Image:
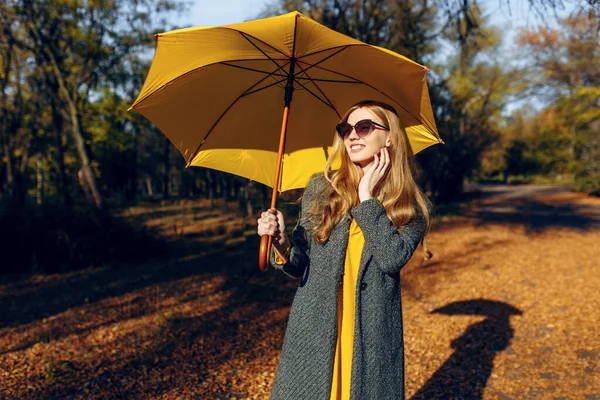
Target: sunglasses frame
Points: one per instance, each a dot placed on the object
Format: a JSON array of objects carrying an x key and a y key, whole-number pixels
[{"x": 372, "y": 126}]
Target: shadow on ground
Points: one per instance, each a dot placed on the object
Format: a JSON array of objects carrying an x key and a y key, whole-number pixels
[
  {"x": 187, "y": 350},
  {"x": 465, "y": 373}
]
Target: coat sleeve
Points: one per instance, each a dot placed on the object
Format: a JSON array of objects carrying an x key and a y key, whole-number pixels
[
  {"x": 391, "y": 247},
  {"x": 300, "y": 241}
]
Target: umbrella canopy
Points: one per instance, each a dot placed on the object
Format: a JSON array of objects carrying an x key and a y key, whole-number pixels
[{"x": 218, "y": 94}]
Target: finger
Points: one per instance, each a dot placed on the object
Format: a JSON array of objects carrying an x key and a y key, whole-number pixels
[
  {"x": 388, "y": 160},
  {"x": 384, "y": 160},
  {"x": 374, "y": 164},
  {"x": 379, "y": 161},
  {"x": 272, "y": 211}
]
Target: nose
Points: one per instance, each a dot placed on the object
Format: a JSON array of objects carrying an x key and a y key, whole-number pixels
[{"x": 353, "y": 135}]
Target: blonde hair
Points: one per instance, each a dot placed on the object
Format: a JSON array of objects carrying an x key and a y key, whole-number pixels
[{"x": 402, "y": 197}]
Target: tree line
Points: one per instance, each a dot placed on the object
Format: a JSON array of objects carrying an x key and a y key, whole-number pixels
[{"x": 70, "y": 69}]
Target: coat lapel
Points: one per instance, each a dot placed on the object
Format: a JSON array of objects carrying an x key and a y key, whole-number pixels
[
  {"x": 336, "y": 247},
  {"x": 365, "y": 258}
]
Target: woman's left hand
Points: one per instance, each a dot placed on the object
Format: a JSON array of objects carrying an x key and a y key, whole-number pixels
[{"x": 377, "y": 170}]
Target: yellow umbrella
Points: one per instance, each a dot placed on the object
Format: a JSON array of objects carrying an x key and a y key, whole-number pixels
[{"x": 218, "y": 93}]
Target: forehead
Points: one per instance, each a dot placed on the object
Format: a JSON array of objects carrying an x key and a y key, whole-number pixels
[{"x": 360, "y": 114}]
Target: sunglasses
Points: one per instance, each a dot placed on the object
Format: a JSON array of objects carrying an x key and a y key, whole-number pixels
[{"x": 362, "y": 128}]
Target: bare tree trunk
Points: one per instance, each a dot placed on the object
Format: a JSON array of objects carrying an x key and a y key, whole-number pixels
[
  {"x": 10, "y": 178},
  {"x": 4, "y": 123},
  {"x": 13, "y": 124},
  {"x": 7, "y": 56},
  {"x": 149, "y": 186},
  {"x": 63, "y": 187},
  {"x": 86, "y": 167},
  {"x": 20, "y": 193},
  {"x": 76, "y": 128}
]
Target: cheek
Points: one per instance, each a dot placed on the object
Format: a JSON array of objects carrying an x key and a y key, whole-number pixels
[{"x": 379, "y": 142}]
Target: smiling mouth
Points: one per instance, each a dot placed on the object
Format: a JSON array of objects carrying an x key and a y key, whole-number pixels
[{"x": 356, "y": 148}]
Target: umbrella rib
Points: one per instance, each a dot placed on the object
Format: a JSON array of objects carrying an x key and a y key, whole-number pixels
[
  {"x": 326, "y": 101},
  {"x": 383, "y": 93},
  {"x": 227, "y": 110},
  {"x": 322, "y": 60},
  {"x": 324, "y": 80},
  {"x": 246, "y": 36},
  {"x": 268, "y": 73},
  {"x": 279, "y": 67},
  {"x": 273, "y": 74},
  {"x": 139, "y": 101},
  {"x": 249, "y": 92},
  {"x": 408, "y": 60},
  {"x": 211, "y": 129}
]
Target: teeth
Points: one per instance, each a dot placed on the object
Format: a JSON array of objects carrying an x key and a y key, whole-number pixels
[{"x": 357, "y": 147}]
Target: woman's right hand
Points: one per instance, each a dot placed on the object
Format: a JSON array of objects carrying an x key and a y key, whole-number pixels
[{"x": 271, "y": 223}]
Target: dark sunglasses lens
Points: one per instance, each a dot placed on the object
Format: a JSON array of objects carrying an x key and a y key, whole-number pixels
[
  {"x": 363, "y": 127},
  {"x": 344, "y": 129}
]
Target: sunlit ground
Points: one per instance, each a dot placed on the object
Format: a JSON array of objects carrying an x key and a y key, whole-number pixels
[{"x": 205, "y": 323}]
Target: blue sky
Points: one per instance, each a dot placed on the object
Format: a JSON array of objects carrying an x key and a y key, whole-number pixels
[{"x": 221, "y": 12}]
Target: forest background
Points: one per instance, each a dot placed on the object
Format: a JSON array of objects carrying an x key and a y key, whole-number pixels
[{"x": 74, "y": 160}]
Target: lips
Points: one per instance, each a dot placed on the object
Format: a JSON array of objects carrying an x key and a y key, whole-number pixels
[{"x": 356, "y": 147}]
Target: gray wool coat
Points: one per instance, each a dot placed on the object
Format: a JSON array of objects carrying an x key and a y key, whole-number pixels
[{"x": 306, "y": 364}]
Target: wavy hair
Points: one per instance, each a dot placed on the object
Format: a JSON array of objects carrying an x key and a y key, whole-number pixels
[{"x": 402, "y": 198}]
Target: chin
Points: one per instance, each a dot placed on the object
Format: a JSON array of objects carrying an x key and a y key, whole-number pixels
[{"x": 361, "y": 162}]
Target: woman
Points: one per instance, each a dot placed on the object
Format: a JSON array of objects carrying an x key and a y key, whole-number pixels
[{"x": 358, "y": 226}]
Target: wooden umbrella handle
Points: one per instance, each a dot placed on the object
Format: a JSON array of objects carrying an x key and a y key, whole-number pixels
[
  {"x": 264, "y": 253},
  {"x": 265, "y": 241}
]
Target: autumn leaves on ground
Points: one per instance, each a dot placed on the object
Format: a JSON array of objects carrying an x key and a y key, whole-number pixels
[{"x": 507, "y": 308}]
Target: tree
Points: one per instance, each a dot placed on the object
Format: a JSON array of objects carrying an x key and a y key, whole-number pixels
[
  {"x": 78, "y": 47},
  {"x": 564, "y": 68}
]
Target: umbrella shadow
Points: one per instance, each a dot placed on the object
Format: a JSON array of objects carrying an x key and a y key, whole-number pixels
[{"x": 465, "y": 374}]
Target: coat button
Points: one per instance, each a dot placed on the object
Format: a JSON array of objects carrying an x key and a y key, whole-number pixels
[{"x": 363, "y": 285}]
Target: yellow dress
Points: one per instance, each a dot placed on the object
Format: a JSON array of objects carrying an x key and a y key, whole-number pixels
[{"x": 342, "y": 364}]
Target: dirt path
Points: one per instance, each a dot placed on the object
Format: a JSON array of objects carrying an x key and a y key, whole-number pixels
[
  {"x": 515, "y": 286},
  {"x": 508, "y": 308}
]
